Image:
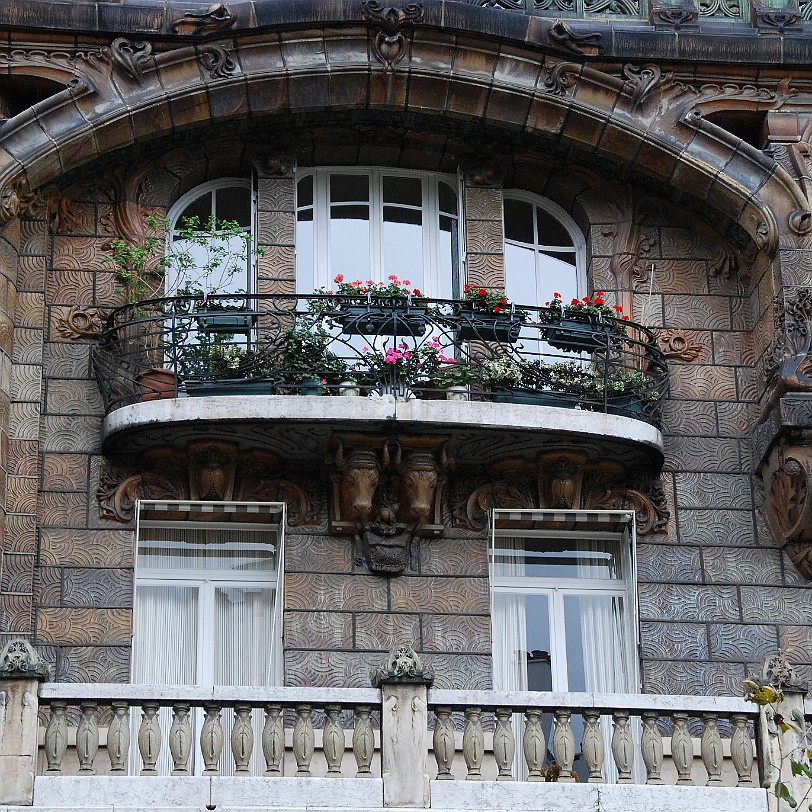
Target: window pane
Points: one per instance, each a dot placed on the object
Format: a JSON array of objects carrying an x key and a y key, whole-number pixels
[
  {"x": 304, "y": 192},
  {"x": 448, "y": 198},
  {"x": 349, "y": 188},
  {"x": 200, "y": 207},
  {"x": 234, "y": 203},
  {"x": 182, "y": 548},
  {"x": 550, "y": 230},
  {"x": 305, "y": 270},
  {"x": 520, "y": 274},
  {"x": 393, "y": 214},
  {"x": 403, "y": 250},
  {"x": 595, "y": 649},
  {"x": 349, "y": 242},
  {"x": 519, "y": 221},
  {"x": 557, "y": 277},
  {"x": 406, "y": 191},
  {"x": 521, "y": 639},
  {"x": 542, "y": 557}
]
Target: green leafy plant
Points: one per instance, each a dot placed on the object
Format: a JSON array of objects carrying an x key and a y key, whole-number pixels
[
  {"x": 588, "y": 308},
  {"x": 138, "y": 268},
  {"x": 456, "y": 373},
  {"x": 358, "y": 292},
  {"x": 305, "y": 354},
  {"x": 492, "y": 301}
]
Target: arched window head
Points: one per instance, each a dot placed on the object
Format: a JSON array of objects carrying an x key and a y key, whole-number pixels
[
  {"x": 202, "y": 227},
  {"x": 377, "y": 223},
  {"x": 544, "y": 251}
]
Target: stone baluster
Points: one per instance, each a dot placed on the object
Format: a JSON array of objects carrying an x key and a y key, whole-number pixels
[
  {"x": 741, "y": 751},
  {"x": 56, "y": 737},
  {"x": 87, "y": 738},
  {"x": 273, "y": 740},
  {"x": 304, "y": 740},
  {"x": 682, "y": 748},
  {"x": 333, "y": 740},
  {"x": 242, "y": 739},
  {"x": 473, "y": 743},
  {"x": 533, "y": 744},
  {"x": 180, "y": 738},
  {"x": 564, "y": 745},
  {"x": 504, "y": 744},
  {"x": 443, "y": 743},
  {"x": 711, "y": 749},
  {"x": 363, "y": 741},
  {"x": 149, "y": 737},
  {"x": 622, "y": 747},
  {"x": 651, "y": 746},
  {"x": 592, "y": 746},
  {"x": 118, "y": 738},
  {"x": 211, "y": 740}
]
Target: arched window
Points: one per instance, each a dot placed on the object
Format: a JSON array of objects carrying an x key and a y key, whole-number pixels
[
  {"x": 374, "y": 223},
  {"x": 544, "y": 251},
  {"x": 228, "y": 199}
]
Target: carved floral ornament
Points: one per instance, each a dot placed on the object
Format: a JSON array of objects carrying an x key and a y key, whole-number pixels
[
  {"x": 787, "y": 477},
  {"x": 678, "y": 346},
  {"x": 789, "y": 357},
  {"x": 389, "y": 45},
  {"x": 209, "y": 470}
]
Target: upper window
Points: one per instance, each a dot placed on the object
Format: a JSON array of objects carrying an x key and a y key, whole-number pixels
[
  {"x": 544, "y": 251},
  {"x": 373, "y": 224},
  {"x": 220, "y": 263}
]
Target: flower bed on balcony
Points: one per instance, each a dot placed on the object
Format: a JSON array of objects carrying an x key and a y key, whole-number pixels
[{"x": 317, "y": 345}]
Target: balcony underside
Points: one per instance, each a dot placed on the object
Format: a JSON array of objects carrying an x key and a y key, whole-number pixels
[{"x": 303, "y": 426}]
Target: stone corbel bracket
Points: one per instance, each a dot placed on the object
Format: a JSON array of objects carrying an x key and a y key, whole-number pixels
[
  {"x": 787, "y": 477},
  {"x": 389, "y": 46}
]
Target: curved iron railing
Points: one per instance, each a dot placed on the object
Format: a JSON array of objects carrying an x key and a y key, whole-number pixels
[{"x": 408, "y": 347}]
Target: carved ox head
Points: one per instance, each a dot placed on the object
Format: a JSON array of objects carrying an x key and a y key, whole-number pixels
[
  {"x": 420, "y": 473},
  {"x": 360, "y": 474}
]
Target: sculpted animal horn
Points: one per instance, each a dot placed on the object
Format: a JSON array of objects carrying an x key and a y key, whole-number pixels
[
  {"x": 340, "y": 461},
  {"x": 398, "y": 453}
]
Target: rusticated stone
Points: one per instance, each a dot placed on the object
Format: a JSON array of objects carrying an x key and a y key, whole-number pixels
[
  {"x": 796, "y": 643},
  {"x": 685, "y": 417},
  {"x": 383, "y": 631},
  {"x": 687, "y": 602},
  {"x": 21, "y": 495},
  {"x": 20, "y": 534},
  {"x": 16, "y": 614},
  {"x": 697, "y": 382},
  {"x": 62, "y": 509},
  {"x": 310, "y": 553},
  {"x": 335, "y": 592},
  {"x": 27, "y": 345},
  {"x": 84, "y": 626},
  {"x": 457, "y": 633},
  {"x": 712, "y": 490},
  {"x": 17, "y": 573},
  {"x": 97, "y": 587},
  {"x": 73, "y": 397},
  {"x": 695, "y": 678},
  {"x": 703, "y": 454},
  {"x": 668, "y": 562},
  {"x": 709, "y": 527},
  {"x": 64, "y": 472},
  {"x": 319, "y": 630},
  {"x": 72, "y": 434},
  {"x": 753, "y": 565},
  {"x": 94, "y": 664},
  {"x": 445, "y": 595},
  {"x": 48, "y": 586},
  {"x": 450, "y": 556},
  {"x": 110, "y": 547},
  {"x": 26, "y": 382},
  {"x": 674, "y": 641},
  {"x": 764, "y": 604},
  {"x": 67, "y": 360},
  {"x": 736, "y": 642},
  {"x": 332, "y": 669}
]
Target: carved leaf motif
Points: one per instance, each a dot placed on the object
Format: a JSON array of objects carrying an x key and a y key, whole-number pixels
[
  {"x": 130, "y": 57},
  {"x": 218, "y": 62},
  {"x": 214, "y": 17},
  {"x": 643, "y": 80},
  {"x": 559, "y": 78},
  {"x": 677, "y": 346},
  {"x": 579, "y": 42},
  {"x": 80, "y": 322}
]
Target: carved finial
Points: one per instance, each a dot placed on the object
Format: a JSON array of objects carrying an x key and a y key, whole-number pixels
[
  {"x": 404, "y": 666},
  {"x": 18, "y": 660}
]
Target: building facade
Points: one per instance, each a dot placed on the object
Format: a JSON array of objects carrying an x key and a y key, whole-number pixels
[{"x": 646, "y": 530}]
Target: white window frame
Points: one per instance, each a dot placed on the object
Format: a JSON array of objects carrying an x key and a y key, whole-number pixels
[
  {"x": 433, "y": 284},
  {"x": 179, "y": 206},
  {"x": 557, "y": 588},
  {"x": 538, "y": 248}
]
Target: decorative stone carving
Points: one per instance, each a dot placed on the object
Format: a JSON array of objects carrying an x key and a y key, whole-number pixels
[
  {"x": 386, "y": 492},
  {"x": 643, "y": 79},
  {"x": 130, "y": 57},
  {"x": 777, "y": 671},
  {"x": 80, "y": 322},
  {"x": 402, "y": 666},
  {"x": 218, "y": 62},
  {"x": 678, "y": 15},
  {"x": 18, "y": 660},
  {"x": 389, "y": 45},
  {"x": 127, "y": 189},
  {"x": 587, "y": 43},
  {"x": 211, "y": 18},
  {"x": 779, "y": 20},
  {"x": 789, "y": 357},
  {"x": 209, "y": 470},
  {"x": 565, "y": 479},
  {"x": 677, "y": 346}
]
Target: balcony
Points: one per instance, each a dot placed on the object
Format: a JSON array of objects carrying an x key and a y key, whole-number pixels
[
  {"x": 348, "y": 748},
  {"x": 347, "y": 359}
]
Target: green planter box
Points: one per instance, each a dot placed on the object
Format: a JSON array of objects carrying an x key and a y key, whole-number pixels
[
  {"x": 242, "y": 386},
  {"x": 501, "y": 327},
  {"x": 575, "y": 335},
  {"x": 534, "y": 397},
  {"x": 369, "y": 319}
]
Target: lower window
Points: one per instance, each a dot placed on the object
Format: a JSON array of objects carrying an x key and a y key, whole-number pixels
[{"x": 208, "y": 598}]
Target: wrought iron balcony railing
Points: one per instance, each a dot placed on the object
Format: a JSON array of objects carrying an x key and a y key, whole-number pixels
[{"x": 406, "y": 347}]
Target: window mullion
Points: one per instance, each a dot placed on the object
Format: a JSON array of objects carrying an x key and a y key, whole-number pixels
[
  {"x": 321, "y": 230},
  {"x": 377, "y": 272},
  {"x": 558, "y": 641}
]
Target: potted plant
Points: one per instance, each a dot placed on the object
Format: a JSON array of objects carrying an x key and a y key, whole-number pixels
[
  {"x": 583, "y": 325},
  {"x": 625, "y": 392},
  {"x": 306, "y": 360},
  {"x": 391, "y": 308},
  {"x": 456, "y": 377},
  {"x": 535, "y": 382},
  {"x": 399, "y": 367},
  {"x": 488, "y": 315}
]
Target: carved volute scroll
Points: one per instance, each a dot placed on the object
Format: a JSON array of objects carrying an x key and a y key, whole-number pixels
[
  {"x": 386, "y": 492},
  {"x": 389, "y": 46},
  {"x": 787, "y": 477}
]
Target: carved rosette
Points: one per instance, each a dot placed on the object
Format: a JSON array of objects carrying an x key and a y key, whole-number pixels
[
  {"x": 677, "y": 346},
  {"x": 787, "y": 477},
  {"x": 208, "y": 470},
  {"x": 386, "y": 492},
  {"x": 565, "y": 480}
]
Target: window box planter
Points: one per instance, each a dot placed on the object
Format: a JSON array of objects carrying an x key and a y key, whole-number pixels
[
  {"x": 536, "y": 397},
  {"x": 576, "y": 335},
  {"x": 394, "y": 319},
  {"x": 226, "y": 386},
  {"x": 477, "y": 326},
  {"x": 627, "y": 406},
  {"x": 214, "y": 319}
]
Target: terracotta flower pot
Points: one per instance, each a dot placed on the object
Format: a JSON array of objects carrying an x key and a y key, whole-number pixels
[{"x": 157, "y": 383}]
